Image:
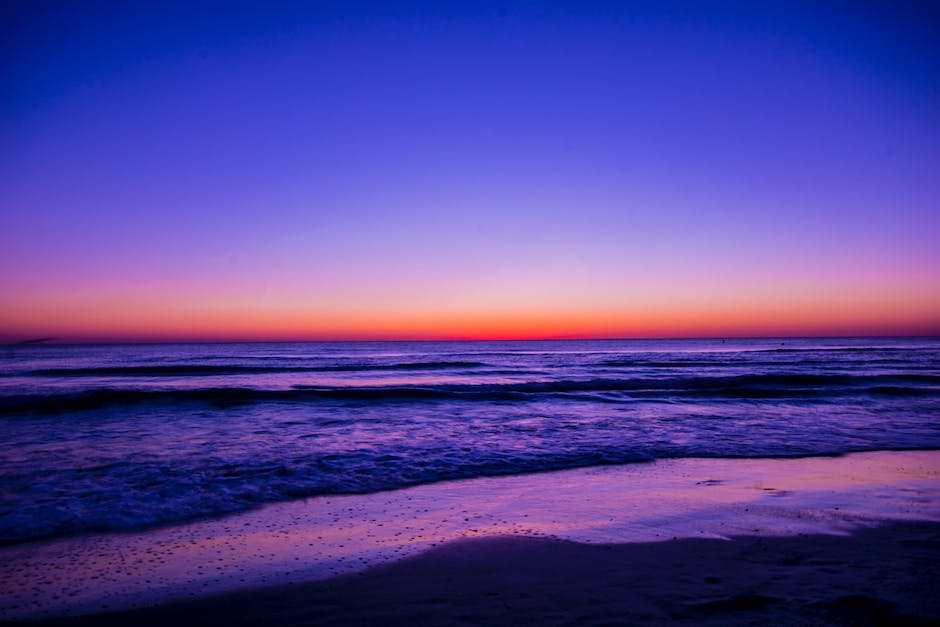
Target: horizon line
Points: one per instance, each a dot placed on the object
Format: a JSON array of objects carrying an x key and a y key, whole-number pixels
[{"x": 103, "y": 342}]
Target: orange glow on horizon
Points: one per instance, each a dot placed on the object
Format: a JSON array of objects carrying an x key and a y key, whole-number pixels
[{"x": 182, "y": 323}]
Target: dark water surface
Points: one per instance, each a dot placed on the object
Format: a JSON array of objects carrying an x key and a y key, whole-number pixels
[{"x": 129, "y": 436}]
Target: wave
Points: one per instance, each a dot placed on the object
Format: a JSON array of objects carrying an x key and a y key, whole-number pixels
[
  {"x": 742, "y": 386},
  {"x": 671, "y": 384},
  {"x": 246, "y": 487},
  {"x": 848, "y": 349},
  {"x": 199, "y": 370},
  {"x": 239, "y": 487},
  {"x": 748, "y": 362}
]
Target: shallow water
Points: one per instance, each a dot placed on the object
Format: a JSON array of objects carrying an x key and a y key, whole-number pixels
[{"x": 99, "y": 438}]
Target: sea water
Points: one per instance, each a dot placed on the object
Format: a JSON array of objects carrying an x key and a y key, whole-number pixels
[{"x": 118, "y": 437}]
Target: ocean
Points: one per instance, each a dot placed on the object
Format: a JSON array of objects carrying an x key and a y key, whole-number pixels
[{"x": 99, "y": 438}]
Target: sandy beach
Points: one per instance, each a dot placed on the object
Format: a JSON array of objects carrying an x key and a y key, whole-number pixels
[
  {"x": 886, "y": 575},
  {"x": 824, "y": 539}
]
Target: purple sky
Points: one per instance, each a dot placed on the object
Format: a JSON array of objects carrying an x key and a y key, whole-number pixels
[{"x": 468, "y": 169}]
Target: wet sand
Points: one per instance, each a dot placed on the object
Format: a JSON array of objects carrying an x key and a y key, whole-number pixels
[
  {"x": 886, "y": 575},
  {"x": 792, "y": 540}
]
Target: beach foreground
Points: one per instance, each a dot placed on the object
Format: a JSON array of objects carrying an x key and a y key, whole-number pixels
[
  {"x": 827, "y": 539},
  {"x": 886, "y": 575}
]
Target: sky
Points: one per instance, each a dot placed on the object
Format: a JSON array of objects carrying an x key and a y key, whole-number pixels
[{"x": 472, "y": 170}]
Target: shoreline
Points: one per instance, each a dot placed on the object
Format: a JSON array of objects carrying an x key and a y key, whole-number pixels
[
  {"x": 330, "y": 539},
  {"x": 208, "y": 518}
]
